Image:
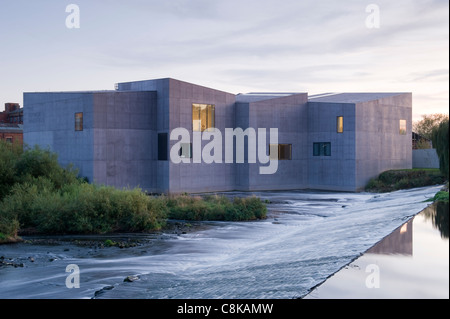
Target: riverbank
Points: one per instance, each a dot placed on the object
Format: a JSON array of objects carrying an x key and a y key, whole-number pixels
[
  {"x": 393, "y": 180},
  {"x": 56, "y": 246},
  {"x": 38, "y": 195}
]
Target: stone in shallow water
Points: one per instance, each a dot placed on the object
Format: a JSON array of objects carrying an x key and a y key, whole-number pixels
[{"x": 131, "y": 278}]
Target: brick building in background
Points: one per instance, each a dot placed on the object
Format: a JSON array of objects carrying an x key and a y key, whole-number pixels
[
  {"x": 13, "y": 114},
  {"x": 11, "y": 123}
]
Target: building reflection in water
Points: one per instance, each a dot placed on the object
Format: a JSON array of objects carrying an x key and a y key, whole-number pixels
[{"x": 400, "y": 241}]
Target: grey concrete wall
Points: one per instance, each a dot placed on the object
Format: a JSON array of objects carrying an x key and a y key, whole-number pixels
[
  {"x": 337, "y": 171},
  {"x": 379, "y": 145},
  {"x": 125, "y": 139},
  {"x": 162, "y": 87},
  {"x": 174, "y": 109},
  {"x": 49, "y": 121},
  {"x": 425, "y": 158},
  {"x": 287, "y": 114},
  {"x": 117, "y": 144},
  {"x": 200, "y": 177}
]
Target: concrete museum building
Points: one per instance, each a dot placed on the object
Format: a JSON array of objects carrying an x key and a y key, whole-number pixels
[{"x": 133, "y": 136}]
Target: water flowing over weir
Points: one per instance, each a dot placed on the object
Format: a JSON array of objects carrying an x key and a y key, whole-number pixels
[{"x": 307, "y": 237}]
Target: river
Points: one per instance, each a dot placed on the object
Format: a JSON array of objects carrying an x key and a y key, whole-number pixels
[{"x": 307, "y": 237}]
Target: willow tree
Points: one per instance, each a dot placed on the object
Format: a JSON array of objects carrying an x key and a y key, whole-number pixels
[{"x": 440, "y": 142}]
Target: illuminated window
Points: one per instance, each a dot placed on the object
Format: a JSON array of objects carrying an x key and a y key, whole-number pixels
[
  {"x": 322, "y": 149},
  {"x": 284, "y": 151},
  {"x": 78, "y": 121},
  {"x": 203, "y": 117},
  {"x": 402, "y": 127},
  {"x": 185, "y": 150},
  {"x": 340, "y": 124}
]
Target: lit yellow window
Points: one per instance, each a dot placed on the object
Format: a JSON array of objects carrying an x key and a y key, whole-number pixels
[
  {"x": 340, "y": 124},
  {"x": 203, "y": 117}
]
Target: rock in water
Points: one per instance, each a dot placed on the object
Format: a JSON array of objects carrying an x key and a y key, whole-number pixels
[{"x": 131, "y": 278}]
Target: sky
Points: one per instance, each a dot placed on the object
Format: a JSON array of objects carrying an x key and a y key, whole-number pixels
[{"x": 313, "y": 46}]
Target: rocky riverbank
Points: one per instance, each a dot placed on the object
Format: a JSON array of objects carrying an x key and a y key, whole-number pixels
[{"x": 93, "y": 243}]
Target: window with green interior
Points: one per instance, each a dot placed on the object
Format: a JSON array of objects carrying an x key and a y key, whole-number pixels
[
  {"x": 185, "y": 150},
  {"x": 322, "y": 149}
]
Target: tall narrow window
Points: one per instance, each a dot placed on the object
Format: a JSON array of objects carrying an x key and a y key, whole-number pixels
[
  {"x": 322, "y": 149},
  {"x": 203, "y": 117},
  {"x": 162, "y": 146},
  {"x": 340, "y": 124},
  {"x": 284, "y": 151},
  {"x": 402, "y": 127},
  {"x": 78, "y": 121}
]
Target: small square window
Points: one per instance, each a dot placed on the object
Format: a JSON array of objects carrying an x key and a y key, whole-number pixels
[
  {"x": 9, "y": 140},
  {"x": 185, "y": 150},
  {"x": 402, "y": 130},
  {"x": 284, "y": 151},
  {"x": 78, "y": 121},
  {"x": 322, "y": 149}
]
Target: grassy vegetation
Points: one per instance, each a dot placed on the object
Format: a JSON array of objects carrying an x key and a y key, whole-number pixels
[
  {"x": 214, "y": 207},
  {"x": 37, "y": 194},
  {"x": 406, "y": 178},
  {"x": 441, "y": 196}
]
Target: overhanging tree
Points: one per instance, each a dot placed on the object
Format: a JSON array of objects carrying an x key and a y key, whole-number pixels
[{"x": 440, "y": 142}]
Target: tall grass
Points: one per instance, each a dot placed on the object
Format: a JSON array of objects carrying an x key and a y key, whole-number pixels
[
  {"x": 215, "y": 207},
  {"x": 403, "y": 179},
  {"x": 37, "y": 193},
  {"x": 82, "y": 208}
]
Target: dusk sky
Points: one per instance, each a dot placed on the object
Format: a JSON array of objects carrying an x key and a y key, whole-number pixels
[{"x": 235, "y": 46}]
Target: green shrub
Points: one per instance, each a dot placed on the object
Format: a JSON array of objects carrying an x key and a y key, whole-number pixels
[
  {"x": 82, "y": 208},
  {"x": 441, "y": 142},
  {"x": 37, "y": 193},
  {"x": 109, "y": 243},
  {"x": 214, "y": 207},
  {"x": 9, "y": 155},
  {"x": 441, "y": 196},
  {"x": 37, "y": 162},
  {"x": 403, "y": 179},
  {"x": 9, "y": 226}
]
